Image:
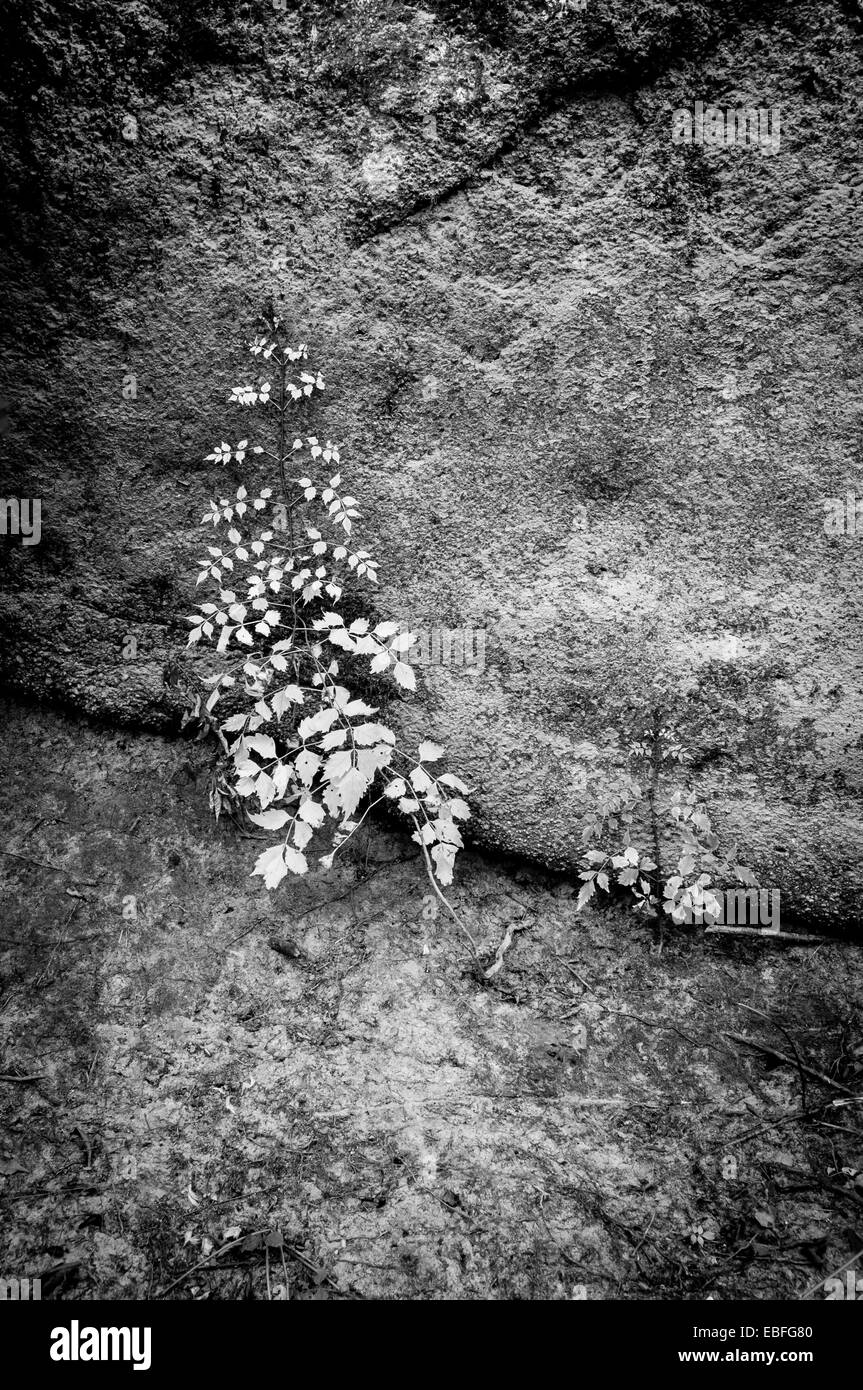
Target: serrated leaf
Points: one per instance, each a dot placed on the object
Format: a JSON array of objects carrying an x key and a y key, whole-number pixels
[
  {"x": 263, "y": 744},
  {"x": 302, "y": 834},
  {"x": 430, "y": 752},
  {"x": 317, "y": 723},
  {"x": 587, "y": 891},
  {"x": 404, "y": 675},
  {"x": 296, "y": 862},
  {"x": 365, "y": 735},
  {"x": 270, "y": 820},
  {"x": 307, "y": 764},
  {"x": 420, "y": 780},
  {"x": 444, "y": 859},
  {"x": 355, "y": 707},
  {"x": 271, "y": 865},
  {"x": 283, "y": 699},
  {"x": 312, "y": 812},
  {"x": 351, "y": 789}
]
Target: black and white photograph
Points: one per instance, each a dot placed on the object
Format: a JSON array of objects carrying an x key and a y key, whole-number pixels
[{"x": 431, "y": 522}]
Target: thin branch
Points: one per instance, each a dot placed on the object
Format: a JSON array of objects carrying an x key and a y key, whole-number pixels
[
  {"x": 813, "y": 1288},
  {"x": 797, "y": 937},
  {"x": 789, "y": 1061},
  {"x": 436, "y": 890},
  {"x": 504, "y": 946},
  {"x": 624, "y": 1013},
  {"x": 793, "y": 1045},
  {"x": 38, "y": 863},
  {"x": 223, "y": 1250},
  {"x": 801, "y": 1114}
]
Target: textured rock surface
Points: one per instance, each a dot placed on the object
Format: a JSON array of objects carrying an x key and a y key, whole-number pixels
[{"x": 592, "y": 387}]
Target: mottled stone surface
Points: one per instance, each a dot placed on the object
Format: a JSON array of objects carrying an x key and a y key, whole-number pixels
[{"x": 592, "y": 387}]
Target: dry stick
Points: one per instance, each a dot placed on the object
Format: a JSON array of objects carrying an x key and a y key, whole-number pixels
[
  {"x": 231, "y": 1245},
  {"x": 504, "y": 946},
  {"x": 790, "y": 1062},
  {"x": 796, "y": 937},
  {"x": 61, "y": 941},
  {"x": 794, "y": 1048},
  {"x": 39, "y": 863},
  {"x": 848, "y": 1192},
  {"x": 9, "y": 1076},
  {"x": 327, "y": 902},
  {"x": 783, "y": 1120},
  {"x": 623, "y": 1013},
  {"x": 580, "y": 1102},
  {"x": 813, "y": 1288},
  {"x": 636, "y": 1249},
  {"x": 88, "y": 1145},
  {"x": 40, "y": 978},
  {"x": 508, "y": 935}
]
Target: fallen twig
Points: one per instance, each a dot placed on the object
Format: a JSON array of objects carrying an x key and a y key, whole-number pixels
[
  {"x": 784, "y": 1120},
  {"x": 232, "y": 1245},
  {"x": 623, "y": 1013},
  {"x": 503, "y": 948},
  {"x": 60, "y": 941},
  {"x": 789, "y": 1061},
  {"x": 223, "y": 1250},
  {"x": 88, "y": 1145},
  {"x": 10, "y": 1076},
  {"x": 813, "y": 1288},
  {"x": 579, "y": 1102},
  {"x": 849, "y": 1192},
  {"x": 38, "y": 863},
  {"x": 793, "y": 1045},
  {"x": 798, "y": 938},
  {"x": 327, "y": 902}
]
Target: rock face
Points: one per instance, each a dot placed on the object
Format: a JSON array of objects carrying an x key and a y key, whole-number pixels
[{"x": 593, "y": 385}]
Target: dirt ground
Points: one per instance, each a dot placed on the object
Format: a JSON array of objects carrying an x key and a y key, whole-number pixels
[{"x": 210, "y": 1117}]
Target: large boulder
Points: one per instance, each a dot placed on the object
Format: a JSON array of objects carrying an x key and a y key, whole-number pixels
[{"x": 593, "y": 385}]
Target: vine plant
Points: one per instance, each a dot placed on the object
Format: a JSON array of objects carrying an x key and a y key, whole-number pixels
[
  {"x": 689, "y": 894},
  {"x": 302, "y": 749}
]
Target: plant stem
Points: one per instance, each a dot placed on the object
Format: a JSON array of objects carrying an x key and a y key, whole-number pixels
[
  {"x": 448, "y": 905},
  {"x": 652, "y": 789},
  {"x": 283, "y": 377}
]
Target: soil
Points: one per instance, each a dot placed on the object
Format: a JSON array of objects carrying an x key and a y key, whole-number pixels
[{"x": 210, "y": 1091}]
